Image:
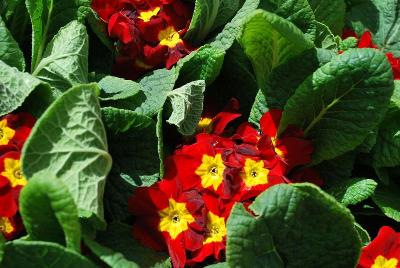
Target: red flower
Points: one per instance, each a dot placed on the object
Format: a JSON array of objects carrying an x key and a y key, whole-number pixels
[
  {"x": 10, "y": 227},
  {"x": 14, "y": 130},
  {"x": 366, "y": 41},
  {"x": 383, "y": 251},
  {"x": 290, "y": 149},
  {"x": 215, "y": 236},
  {"x": 395, "y": 62},
  {"x": 106, "y": 8},
  {"x": 349, "y": 33},
  {"x": 168, "y": 216},
  {"x": 8, "y": 198},
  {"x": 121, "y": 26}
]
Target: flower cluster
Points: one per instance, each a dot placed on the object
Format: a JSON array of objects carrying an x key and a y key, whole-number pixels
[
  {"x": 14, "y": 130},
  {"x": 149, "y": 34},
  {"x": 365, "y": 41},
  {"x": 383, "y": 251},
  {"x": 187, "y": 211}
]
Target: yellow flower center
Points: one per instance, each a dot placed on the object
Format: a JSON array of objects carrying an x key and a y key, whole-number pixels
[
  {"x": 169, "y": 37},
  {"x": 5, "y": 226},
  {"x": 216, "y": 228},
  {"x": 254, "y": 173},
  {"x": 175, "y": 219},
  {"x": 205, "y": 124},
  {"x": 143, "y": 65},
  {"x": 382, "y": 262},
  {"x": 147, "y": 15},
  {"x": 211, "y": 171},
  {"x": 278, "y": 151},
  {"x": 6, "y": 133},
  {"x": 12, "y": 171}
]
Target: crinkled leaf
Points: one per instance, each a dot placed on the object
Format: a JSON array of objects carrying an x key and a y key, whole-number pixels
[
  {"x": 209, "y": 15},
  {"x": 353, "y": 191},
  {"x": 204, "y": 64},
  {"x": 187, "y": 105},
  {"x": 65, "y": 61},
  {"x": 387, "y": 197},
  {"x": 330, "y": 13},
  {"x": 386, "y": 152},
  {"x": 297, "y": 217},
  {"x": 123, "y": 242},
  {"x": 120, "y": 120},
  {"x": 16, "y": 86},
  {"x": 10, "y": 53},
  {"x": 114, "y": 88},
  {"x": 69, "y": 141},
  {"x": 47, "y": 17},
  {"x": 298, "y": 12},
  {"x": 34, "y": 254},
  {"x": 342, "y": 102},
  {"x": 269, "y": 40},
  {"x": 49, "y": 211},
  {"x": 250, "y": 243}
]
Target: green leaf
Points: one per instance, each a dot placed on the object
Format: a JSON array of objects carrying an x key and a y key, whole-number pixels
[
  {"x": 49, "y": 212},
  {"x": 299, "y": 219},
  {"x": 123, "y": 242},
  {"x": 204, "y": 64},
  {"x": 325, "y": 38},
  {"x": 2, "y": 243},
  {"x": 120, "y": 120},
  {"x": 187, "y": 105},
  {"x": 337, "y": 169},
  {"x": 331, "y": 13},
  {"x": 65, "y": 61},
  {"x": 386, "y": 152},
  {"x": 114, "y": 88},
  {"x": 353, "y": 191},
  {"x": 16, "y": 87},
  {"x": 209, "y": 15},
  {"x": 33, "y": 254},
  {"x": 269, "y": 40},
  {"x": 69, "y": 141},
  {"x": 387, "y": 34},
  {"x": 387, "y": 198},
  {"x": 47, "y": 17},
  {"x": 298, "y": 12},
  {"x": 342, "y": 102},
  {"x": 363, "y": 234},
  {"x": 155, "y": 87},
  {"x": 218, "y": 265},
  {"x": 250, "y": 243},
  {"x": 10, "y": 53}
]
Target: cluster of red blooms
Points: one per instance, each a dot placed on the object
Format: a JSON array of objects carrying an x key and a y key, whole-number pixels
[
  {"x": 14, "y": 130},
  {"x": 186, "y": 212},
  {"x": 149, "y": 33},
  {"x": 366, "y": 42},
  {"x": 383, "y": 251}
]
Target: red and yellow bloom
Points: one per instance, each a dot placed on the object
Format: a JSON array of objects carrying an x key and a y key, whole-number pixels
[
  {"x": 14, "y": 130},
  {"x": 383, "y": 251}
]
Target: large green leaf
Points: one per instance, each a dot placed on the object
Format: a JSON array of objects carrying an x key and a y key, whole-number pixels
[
  {"x": 298, "y": 12},
  {"x": 69, "y": 141},
  {"x": 387, "y": 197},
  {"x": 47, "y": 17},
  {"x": 10, "y": 52},
  {"x": 65, "y": 61},
  {"x": 209, "y": 15},
  {"x": 34, "y": 254},
  {"x": 115, "y": 88},
  {"x": 187, "y": 106},
  {"x": 353, "y": 191},
  {"x": 269, "y": 40},
  {"x": 250, "y": 243},
  {"x": 330, "y": 13},
  {"x": 124, "y": 245},
  {"x": 49, "y": 211},
  {"x": 386, "y": 152},
  {"x": 299, "y": 219},
  {"x": 16, "y": 87},
  {"x": 120, "y": 120},
  {"x": 342, "y": 102}
]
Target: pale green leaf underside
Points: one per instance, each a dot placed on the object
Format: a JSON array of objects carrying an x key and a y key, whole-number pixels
[
  {"x": 69, "y": 141},
  {"x": 353, "y": 191},
  {"x": 65, "y": 61},
  {"x": 49, "y": 212},
  {"x": 187, "y": 105},
  {"x": 15, "y": 87}
]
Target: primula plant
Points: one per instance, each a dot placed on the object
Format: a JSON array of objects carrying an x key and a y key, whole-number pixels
[{"x": 200, "y": 133}]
